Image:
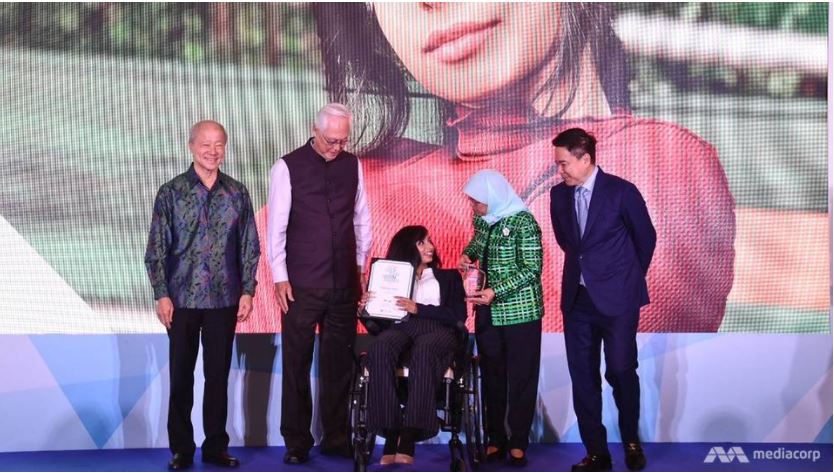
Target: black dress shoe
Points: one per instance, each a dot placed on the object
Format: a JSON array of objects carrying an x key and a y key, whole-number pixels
[
  {"x": 180, "y": 462},
  {"x": 634, "y": 458},
  {"x": 296, "y": 457},
  {"x": 593, "y": 463},
  {"x": 221, "y": 459}
]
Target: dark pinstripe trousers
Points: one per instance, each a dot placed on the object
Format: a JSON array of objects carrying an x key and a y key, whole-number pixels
[{"x": 432, "y": 347}]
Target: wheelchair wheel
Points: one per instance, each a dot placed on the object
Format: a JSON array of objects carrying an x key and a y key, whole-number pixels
[
  {"x": 359, "y": 464},
  {"x": 363, "y": 450},
  {"x": 458, "y": 464},
  {"x": 363, "y": 440},
  {"x": 472, "y": 416}
]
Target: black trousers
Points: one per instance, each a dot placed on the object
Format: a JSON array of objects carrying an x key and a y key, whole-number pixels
[
  {"x": 510, "y": 359},
  {"x": 586, "y": 330},
  {"x": 432, "y": 347},
  {"x": 334, "y": 311},
  {"x": 216, "y": 327}
]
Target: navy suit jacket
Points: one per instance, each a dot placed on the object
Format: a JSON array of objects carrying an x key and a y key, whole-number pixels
[{"x": 615, "y": 252}]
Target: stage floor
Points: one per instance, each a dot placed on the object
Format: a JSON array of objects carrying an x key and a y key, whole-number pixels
[{"x": 543, "y": 457}]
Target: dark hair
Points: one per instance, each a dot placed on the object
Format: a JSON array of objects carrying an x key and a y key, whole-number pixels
[
  {"x": 363, "y": 71},
  {"x": 403, "y": 246},
  {"x": 578, "y": 142}
]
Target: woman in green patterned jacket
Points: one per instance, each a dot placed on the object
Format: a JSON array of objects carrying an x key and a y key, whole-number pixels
[{"x": 508, "y": 312}]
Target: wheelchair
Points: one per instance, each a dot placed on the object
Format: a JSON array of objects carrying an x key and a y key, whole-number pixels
[{"x": 459, "y": 405}]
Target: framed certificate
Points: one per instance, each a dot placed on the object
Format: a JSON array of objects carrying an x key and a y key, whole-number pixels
[{"x": 389, "y": 279}]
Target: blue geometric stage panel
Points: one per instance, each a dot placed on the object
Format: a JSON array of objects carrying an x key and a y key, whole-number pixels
[{"x": 111, "y": 391}]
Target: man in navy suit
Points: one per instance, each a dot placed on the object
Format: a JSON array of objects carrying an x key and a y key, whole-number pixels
[{"x": 603, "y": 226}]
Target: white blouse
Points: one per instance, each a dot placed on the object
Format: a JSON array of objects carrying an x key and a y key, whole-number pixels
[{"x": 427, "y": 289}]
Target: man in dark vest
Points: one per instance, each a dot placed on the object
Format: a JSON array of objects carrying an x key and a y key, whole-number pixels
[{"x": 319, "y": 233}]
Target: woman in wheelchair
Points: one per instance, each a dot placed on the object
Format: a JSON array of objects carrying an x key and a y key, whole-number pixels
[{"x": 429, "y": 332}]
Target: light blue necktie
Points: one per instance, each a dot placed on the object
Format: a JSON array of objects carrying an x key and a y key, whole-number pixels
[{"x": 581, "y": 208}]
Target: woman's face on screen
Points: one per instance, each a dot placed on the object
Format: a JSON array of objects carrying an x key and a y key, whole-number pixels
[{"x": 466, "y": 52}]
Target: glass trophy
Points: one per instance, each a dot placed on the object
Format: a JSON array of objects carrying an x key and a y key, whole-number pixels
[{"x": 474, "y": 280}]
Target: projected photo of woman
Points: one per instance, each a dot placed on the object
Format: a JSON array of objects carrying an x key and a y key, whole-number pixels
[{"x": 441, "y": 91}]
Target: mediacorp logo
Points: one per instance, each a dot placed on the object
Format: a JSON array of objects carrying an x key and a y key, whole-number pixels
[
  {"x": 728, "y": 456},
  {"x": 781, "y": 453}
]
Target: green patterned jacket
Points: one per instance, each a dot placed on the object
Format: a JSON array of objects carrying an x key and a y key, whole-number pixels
[{"x": 514, "y": 268}]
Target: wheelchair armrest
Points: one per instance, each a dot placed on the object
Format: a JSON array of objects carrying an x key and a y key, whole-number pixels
[
  {"x": 462, "y": 334},
  {"x": 374, "y": 327},
  {"x": 466, "y": 344}
]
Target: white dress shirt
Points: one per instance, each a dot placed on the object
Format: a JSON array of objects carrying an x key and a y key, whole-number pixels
[
  {"x": 427, "y": 289},
  {"x": 278, "y": 215}
]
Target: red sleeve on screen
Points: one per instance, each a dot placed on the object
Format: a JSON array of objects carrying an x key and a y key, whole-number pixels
[{"x": 689, "y": 200}]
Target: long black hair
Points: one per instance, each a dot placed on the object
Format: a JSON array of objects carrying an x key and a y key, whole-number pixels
[
  {"x": 403, "y": 246},
  {"x": 362, "y": 69}
]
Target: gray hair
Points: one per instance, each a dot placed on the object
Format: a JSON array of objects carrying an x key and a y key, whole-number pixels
[
  {"x": 192, "y": 133},
  {"x": 333, "y": 109}
]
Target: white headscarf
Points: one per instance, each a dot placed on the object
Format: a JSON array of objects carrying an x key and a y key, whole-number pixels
[{"x": 490, "y": 187}]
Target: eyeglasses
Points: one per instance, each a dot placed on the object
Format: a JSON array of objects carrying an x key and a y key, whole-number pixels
[{"x": 332, "y": 143}]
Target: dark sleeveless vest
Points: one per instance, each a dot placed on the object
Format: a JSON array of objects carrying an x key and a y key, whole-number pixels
[{"x": 321, "y": 244}]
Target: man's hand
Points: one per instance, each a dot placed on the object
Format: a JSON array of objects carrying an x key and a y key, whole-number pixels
[
  {"x": 484, "y": 297},
  {"x": 464, "y": 263},
  {"x": 360, "y": 271},
  {"x": 165, "y": 311},
  {"x": 363, "y": 301},
  {"x": 244, "y": 307},
  {"x": 283, "y": 294}
]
